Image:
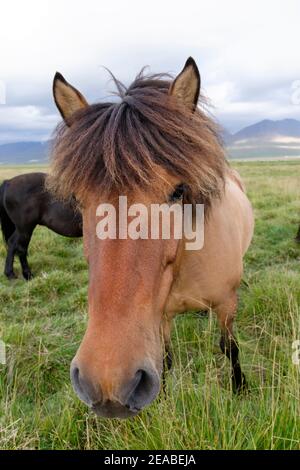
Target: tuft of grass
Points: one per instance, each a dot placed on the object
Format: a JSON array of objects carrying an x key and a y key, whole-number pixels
[{"x": 42, "y": 323}]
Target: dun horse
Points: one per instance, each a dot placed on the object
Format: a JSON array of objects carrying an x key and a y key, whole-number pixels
[
  {"x": 154, "y": 146},
  {"x": 24, "y": 203}
]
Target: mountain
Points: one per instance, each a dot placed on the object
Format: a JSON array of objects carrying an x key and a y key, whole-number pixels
[
  {"x": 268, "y": 128},
  {"x": 24, "y": 152},
  {"x": 264, "y": 139}
]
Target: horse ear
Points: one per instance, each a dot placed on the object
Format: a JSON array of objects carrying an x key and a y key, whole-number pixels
[
  {"x": 67, "y": 99},
  {"x": 186, "y": 86}
]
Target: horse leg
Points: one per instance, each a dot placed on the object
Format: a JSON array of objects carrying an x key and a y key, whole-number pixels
[
  {"x": 228, "y": 343},
  {"x": 22, "y": 249},
  {"x": 166, "y": 332},
  {"x": 168, "y": 358},
  {"x": 297, "y": 238},
  {"x": 167, "y": 361},
  {"x": 9, "y": 262}
]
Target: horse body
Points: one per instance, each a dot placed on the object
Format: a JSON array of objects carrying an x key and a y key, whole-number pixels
[
  {"x": 25, "y": 204},
  {"x": 216, "y": 270},
  {"x": 155, "y": 146},
  {"x": 209, "y": 278}
]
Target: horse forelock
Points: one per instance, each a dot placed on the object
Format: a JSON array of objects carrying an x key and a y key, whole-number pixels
[{"x": 117, "y": 146}]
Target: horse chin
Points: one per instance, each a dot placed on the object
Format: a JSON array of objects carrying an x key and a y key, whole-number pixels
[{"x": 113, "y": 410}]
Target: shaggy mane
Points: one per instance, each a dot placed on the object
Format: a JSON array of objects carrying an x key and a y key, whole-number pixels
[{"x": 118, "y": 146}]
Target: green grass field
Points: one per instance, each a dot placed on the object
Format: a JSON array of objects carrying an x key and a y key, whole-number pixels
[{"x": 43, "y": 321}]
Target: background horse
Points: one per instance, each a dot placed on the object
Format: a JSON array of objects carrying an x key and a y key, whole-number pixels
[
  {"x": 154, "y": 146},
  {"x": 24, "y": 204}
]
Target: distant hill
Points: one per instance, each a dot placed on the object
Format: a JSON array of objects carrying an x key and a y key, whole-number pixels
[
  {"x": 263, "y": 139},
  {"x": 268, "y": 129},
  {"x": 24, "y": 152},
  {"x": 266, "y": 139}
]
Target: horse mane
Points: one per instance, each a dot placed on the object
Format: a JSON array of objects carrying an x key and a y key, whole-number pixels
[{"x": 117, "y": 146}]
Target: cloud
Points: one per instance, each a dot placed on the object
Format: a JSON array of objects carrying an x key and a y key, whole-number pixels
[
  {"x": 246, "y": 52},
  {"x": 26, "y": 123}
]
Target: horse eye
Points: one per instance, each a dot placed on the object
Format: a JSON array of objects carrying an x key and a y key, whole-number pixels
[{"x": 178, "y": 193}]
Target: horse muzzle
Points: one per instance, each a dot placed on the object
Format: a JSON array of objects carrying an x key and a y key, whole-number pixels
[{"x": 126, "y": 401}]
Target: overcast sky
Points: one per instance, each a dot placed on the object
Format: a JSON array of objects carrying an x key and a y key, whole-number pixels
[{"x": 248, "y": 53}]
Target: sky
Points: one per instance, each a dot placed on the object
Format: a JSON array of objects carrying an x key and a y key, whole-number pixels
[{"x": 247, "y": 53}]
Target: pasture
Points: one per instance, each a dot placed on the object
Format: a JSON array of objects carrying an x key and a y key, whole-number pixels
[{"x": 42, "y": 323}]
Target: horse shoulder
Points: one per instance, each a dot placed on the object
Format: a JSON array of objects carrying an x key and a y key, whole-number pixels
[{"x": 207, "y": 276}]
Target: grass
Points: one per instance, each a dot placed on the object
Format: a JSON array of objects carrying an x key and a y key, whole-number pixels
[{"x": 43, "y": 321}]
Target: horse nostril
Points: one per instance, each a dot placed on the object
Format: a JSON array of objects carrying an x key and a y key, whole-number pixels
[
  {"x": 144, "y": 389},
  {"x": 83, "y": 388}
]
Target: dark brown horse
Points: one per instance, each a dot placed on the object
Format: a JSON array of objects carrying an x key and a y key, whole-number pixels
[
  {"x": 24, "y": 204},
  {"x": 154, "y": 146}
]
